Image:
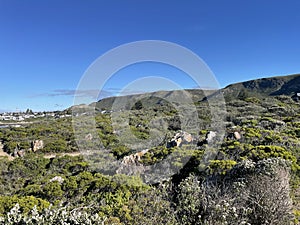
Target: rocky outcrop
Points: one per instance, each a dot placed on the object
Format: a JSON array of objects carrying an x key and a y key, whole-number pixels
[
  {"x": 131, "y": 165},
  {"x": 37, "y": 145},
  {"x": 134, "y": 158},
  {"x": 179, "y": 139}
]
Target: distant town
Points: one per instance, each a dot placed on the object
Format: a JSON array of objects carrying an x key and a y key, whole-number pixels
[{"x": 29, "y": 114}]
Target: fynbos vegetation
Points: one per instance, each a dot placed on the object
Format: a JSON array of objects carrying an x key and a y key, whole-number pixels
[{"x": 252, "y": 178}]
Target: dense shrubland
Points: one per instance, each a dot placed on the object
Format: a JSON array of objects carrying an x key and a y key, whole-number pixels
[{"x": 251, "y": 180}]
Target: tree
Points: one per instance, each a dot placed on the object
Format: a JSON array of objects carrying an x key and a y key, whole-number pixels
[
  {"x": 138, "y": 105},
  {"x": 29, "y": 111}
]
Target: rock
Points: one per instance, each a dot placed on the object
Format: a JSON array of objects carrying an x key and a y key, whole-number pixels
[
  {"x": 37, "y": 145},
  {"x": 210, "y": 136},
  {"x": 131, "y": 165},
  {"x": 234, "y": 136},
  {"x": 59, "y": 179},
  {"x": 21, "y": 153},
  {"x": 134, "y": 158},
  {"x": 127, "y": 160},
  {"x": 16, "y": 150},
  {"x": 237, "y": 135},
  {"x": 88, "y": 137},
  {"x": 179, "y": 139},
  {"x": 140, "y": 154}
]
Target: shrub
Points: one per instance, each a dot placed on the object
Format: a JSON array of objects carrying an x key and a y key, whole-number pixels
[
  {"x": 25, "y": 203},
  {"x": 220, "y": 166},
  {"x": 59, "y": 216}
]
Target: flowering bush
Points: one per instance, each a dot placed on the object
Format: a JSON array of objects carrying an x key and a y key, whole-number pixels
[{"x": 61, "y": 216}]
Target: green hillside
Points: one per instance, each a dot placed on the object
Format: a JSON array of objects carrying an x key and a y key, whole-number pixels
[
  {"x": 273, "y": 86},
  {"x": 247, "y": 175}
]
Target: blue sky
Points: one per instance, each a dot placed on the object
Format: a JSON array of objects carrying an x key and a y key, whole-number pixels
[{"x": 46, "y": 46}]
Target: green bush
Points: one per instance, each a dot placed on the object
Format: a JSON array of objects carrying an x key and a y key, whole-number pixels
[
  {"x": 26, "y": 203},
  {"x": 220, "y": 166}
]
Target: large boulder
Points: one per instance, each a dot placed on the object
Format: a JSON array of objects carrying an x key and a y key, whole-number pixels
[{"x": 37, "y": 145}]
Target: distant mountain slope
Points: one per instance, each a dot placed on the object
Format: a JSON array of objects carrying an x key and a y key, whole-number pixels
[
  {"x": 281, "y": 85},
  {"x": 261, "y": 88},
  {"x": 154, "y": 98},
  {"x": 290, "y": 87}
]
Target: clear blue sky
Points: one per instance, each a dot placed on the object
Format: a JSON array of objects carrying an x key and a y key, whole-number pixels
[{"x": 45, "y": 46}]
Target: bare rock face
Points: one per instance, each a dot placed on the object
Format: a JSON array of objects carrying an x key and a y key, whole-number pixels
[
  {"x": 37, "y": 145},
  {"x": 179, "y": 139}
]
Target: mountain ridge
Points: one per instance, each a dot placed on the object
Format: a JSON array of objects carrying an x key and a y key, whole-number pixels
[
  {"x": 271, "y": 86},
  {"x": 261, "y": 88}
]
